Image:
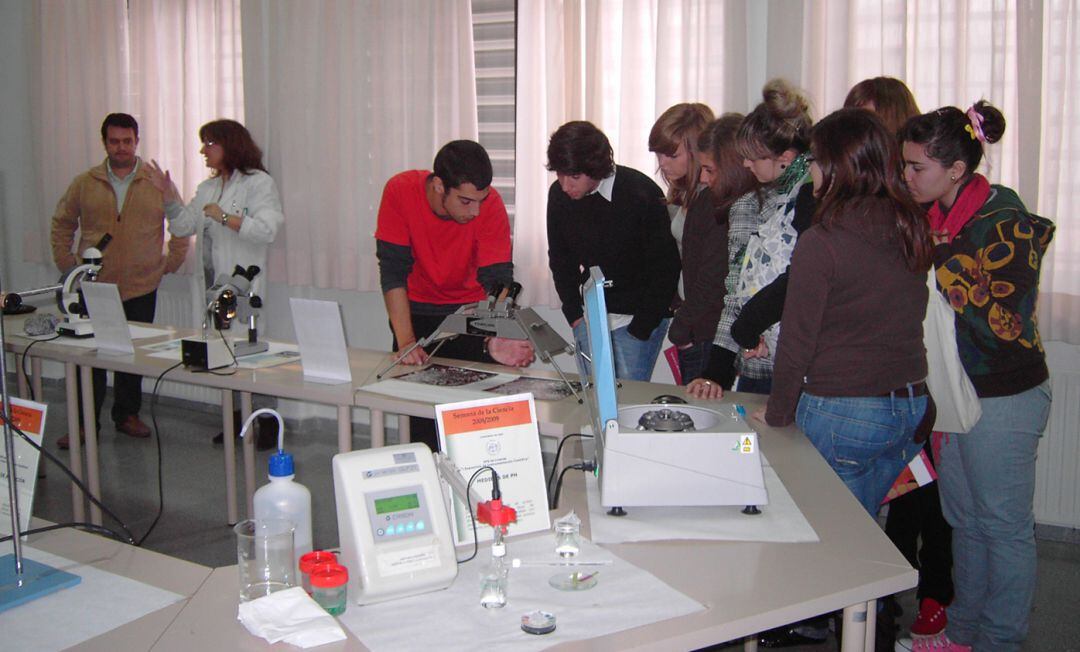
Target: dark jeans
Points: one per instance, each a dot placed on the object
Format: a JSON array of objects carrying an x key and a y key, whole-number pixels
[
  {"x": 462, "y": 347},
  {"x": 917, "y": 515},
  {"x": 754, "y": 385},
  {"x": 693, "y": 361},
  {"x": 127, "y": 388}
]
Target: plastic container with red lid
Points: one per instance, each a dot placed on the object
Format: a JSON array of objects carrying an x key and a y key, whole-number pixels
[{"x": 330, "y": 588}]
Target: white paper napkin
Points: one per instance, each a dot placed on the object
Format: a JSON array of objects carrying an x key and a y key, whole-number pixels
[{"x": 291, "y": 616}]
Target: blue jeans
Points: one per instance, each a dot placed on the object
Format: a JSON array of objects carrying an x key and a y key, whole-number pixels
[
  {"x": 866, "y": 440},
  {"x": 987, "y": 481},
  {"x": 634, "y": 358},
  {"x": 693, "y": 360}
]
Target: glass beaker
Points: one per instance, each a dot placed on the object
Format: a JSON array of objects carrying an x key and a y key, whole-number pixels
[{"x": 264, "y": 555}]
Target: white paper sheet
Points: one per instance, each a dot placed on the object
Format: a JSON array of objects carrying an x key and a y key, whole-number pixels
[
  {"x": 322, "y": 340},
  {"x": 624, "y": 597},
  {"x": 780, "y": 521},
  {"x": 107, "y": 316},
  {"x": 447, "y": 384},
  {"x": 279, "y": 353},
  {"x": 101, "y": 602},
  {"x": 137, "y": 333},
  {"x": 426, "y": 393}
]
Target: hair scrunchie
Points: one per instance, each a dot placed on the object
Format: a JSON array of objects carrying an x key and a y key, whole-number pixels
[{"x": 975, "y": 129}]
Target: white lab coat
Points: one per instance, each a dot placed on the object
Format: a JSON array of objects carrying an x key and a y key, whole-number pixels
[{"x": 255, "y": 196}]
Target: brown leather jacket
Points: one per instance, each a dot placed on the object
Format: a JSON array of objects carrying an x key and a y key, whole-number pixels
[{"x": 134, "y": 259}]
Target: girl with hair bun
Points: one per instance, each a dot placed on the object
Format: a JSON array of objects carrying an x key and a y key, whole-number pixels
[
  {"x": 691, "y": 210},
  {"x": 987, "y": 256},
  {"x": 773, "y": 141}
]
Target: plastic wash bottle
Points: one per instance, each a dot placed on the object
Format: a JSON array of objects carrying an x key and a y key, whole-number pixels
[{"x": 285, "y": 498}]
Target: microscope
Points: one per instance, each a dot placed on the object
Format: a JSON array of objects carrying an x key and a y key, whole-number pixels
[
  {"x": 69, "y": 297},
  {"x": 229, "y": 299}
]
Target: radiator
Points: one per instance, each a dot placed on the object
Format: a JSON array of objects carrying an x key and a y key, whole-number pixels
[{"x": 1057, "y": 479}]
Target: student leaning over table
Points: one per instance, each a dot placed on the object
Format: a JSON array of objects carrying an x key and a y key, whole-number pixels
[
  {"x": 443, "y": 241},
  {"x": 118, "y": 198},
  {"x": 773, "y": 141},
  {"x": 735, "y": 203},
  {"x": 988, "y": 255},
  {"x": 701, "y": 238},
  {"x": 613, "y": 217},
  {"x": 236, "y": 213}
]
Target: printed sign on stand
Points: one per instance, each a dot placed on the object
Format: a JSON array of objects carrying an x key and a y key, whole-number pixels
[
  {"x": 501, "y": 433},
  {"x": 29, "y": 417}
]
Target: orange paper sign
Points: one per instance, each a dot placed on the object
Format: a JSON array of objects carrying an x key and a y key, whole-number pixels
[
  {"x": 26, "y": 419},
  {"x": 486, "y": 417}
]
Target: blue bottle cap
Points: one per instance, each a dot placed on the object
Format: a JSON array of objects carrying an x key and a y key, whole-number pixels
[{"x": 281, "y": 464}]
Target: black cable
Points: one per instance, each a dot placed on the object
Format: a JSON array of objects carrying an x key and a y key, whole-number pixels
[
  {"x": 22, "y": 364},
  {"x": 558, "y": 485},
  {"x": 160, "y": 457},
  {"x": 558, "y": 454},
  {"x": 468, "y": 506},
  {"x": 59, "y": 526},
  {"x": 78, "y": 483}
]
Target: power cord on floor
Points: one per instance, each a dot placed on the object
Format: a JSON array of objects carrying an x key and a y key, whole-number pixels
[
  {"x": 126, "y": 537},
  {"x": 160, "y": 456}
]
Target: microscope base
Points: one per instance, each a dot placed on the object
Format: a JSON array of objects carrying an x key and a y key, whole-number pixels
[
  {"x": 80, "y": 328},
  {"x": 243, "y": 347}
]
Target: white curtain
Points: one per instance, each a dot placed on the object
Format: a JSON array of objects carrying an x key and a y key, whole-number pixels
[
  {"x": 1059, "y": 169},
  {"x": 618, "y": 65},
  {"x": 954, "y": 52},
  {"x": 81, "y": 50},
  {"x": 342, "y": 95},
  {"x": 173, "y": 64},
  {"x": 186, "y": 67}
]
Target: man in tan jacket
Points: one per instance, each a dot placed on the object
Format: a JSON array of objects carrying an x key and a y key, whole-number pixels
[{"x": 118, "y": 198}]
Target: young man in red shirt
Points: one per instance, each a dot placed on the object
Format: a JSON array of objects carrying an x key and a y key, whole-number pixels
[{"x": 443, "y": 240}]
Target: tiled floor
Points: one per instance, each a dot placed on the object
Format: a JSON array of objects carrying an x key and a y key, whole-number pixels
[{"x": 193, "y": 524}]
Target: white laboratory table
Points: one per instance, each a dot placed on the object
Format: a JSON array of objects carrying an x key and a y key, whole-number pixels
[
  {"x": 168, "y": 573},
  {"x": 283, "y": 381},
  {"x": 745, "y": 587}
]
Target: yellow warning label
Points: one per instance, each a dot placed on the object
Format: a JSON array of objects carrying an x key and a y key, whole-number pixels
[{"x": 746, "y": 444}]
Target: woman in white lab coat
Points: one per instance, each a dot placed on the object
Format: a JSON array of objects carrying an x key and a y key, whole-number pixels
[{"x": 236, "y": 213}]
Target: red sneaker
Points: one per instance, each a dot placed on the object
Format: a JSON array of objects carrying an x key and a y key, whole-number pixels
[{"x": 931, "y": 619}]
